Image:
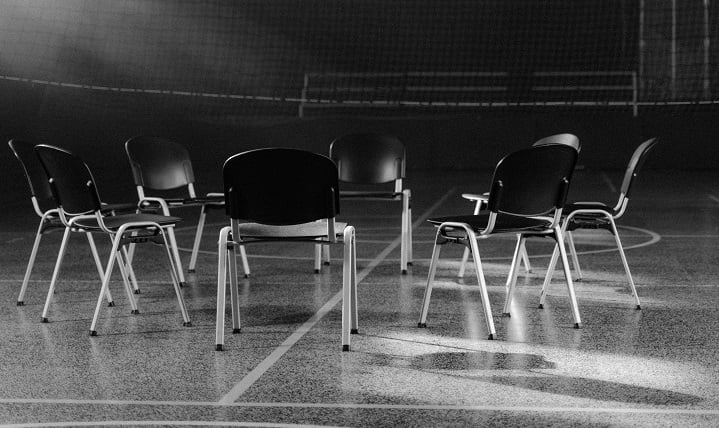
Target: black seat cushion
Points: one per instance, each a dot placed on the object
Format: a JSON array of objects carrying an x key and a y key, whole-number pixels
[
  {"x": 504, "y": 222},
  {"x": 114, "y": 222}
]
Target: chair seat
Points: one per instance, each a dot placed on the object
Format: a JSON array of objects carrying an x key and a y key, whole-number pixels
[
  {"x": 349, "y": 194},
  {"x": 200, "y": 200},
  {"x": 114, "y": 222},
  {"x": 576, "y": 206},
  {"x": 504, "y": 223},
  {"x": 310, "y": 230}
]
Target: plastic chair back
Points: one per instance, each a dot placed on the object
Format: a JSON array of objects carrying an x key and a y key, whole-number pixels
[
  {"x": 566, "y": 139},
  {"x": 635, "y": 163},
  {"x": 158, "y": 163},
  {"x": 368, "y": 158},
  {"x": 71, "y": 181},
  {"x": 34, "y": 174},
  {"x": 533, "y": 181},
  {"x": 280, "y": 186}
]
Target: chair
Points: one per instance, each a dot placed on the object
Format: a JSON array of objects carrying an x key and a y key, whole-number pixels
[
  {"x": 597, "y": 215},
  {"x": 164, "y": 179},
  {"x": 528, "y": 191},
  {"x": 298, "y": 205},
  {"x": 374, "y": 162},
  {"x": 80, "y": 209},
  {"x": 45, "y": 207},
  {"x": 480, "y": 199}
]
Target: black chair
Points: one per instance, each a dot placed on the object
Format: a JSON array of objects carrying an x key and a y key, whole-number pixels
[
  {"x": 597, "y": 215},
  {"x": 375, "y": 165},
  {"x": 164, "y": 179},
  {"x": 80, "y": 209},
  {"x": 45, "y": 207},
  {"x": 297, "y": 205},
  {"x": 527, "y": 193},
  {"x": 480, "y": 199}
]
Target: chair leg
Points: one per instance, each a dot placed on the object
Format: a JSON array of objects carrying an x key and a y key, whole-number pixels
[
  {"x": 624, "y": 262},
  {"x": 353, "y": 282},
  {"x": 573, "y": 251},
  {"x": 410, "y": 252},
  {"x": 30, "y": 264},
  {"x": 222, "y": 256},
  {"x": 176, "y": 255},
  {"x": 422, "y": 323},
  {"x": 465, "y": 254},
  {"x": 326, "y": 256},
  {"x": 98, "y": 265},
  {"x": 245, "y": 264},
  {"x": 122, "y": 266},
  {"x": 174, "y": 273},
  {"x": 105, "y": 281},
  {"x": 234, "y": 291},
  {"x": 130, "y": 271},
  {"x": 525, "y": 258},
  {"x": 482, "y": 283},
  {"x": 463, "y": 263},
  {"x": 198, "y": 238},
  {"x": 129, "y": 255},
  {"x": 318, "y": 258},
  {"x": 568, "y": 277},
  {"x": 56, "y": 271},
  {"x": 512, "y": 277},
  {"x": 548, "y": 277},
  {"x": 406, "y": 240},
  {"x": 349, "y": 306}
]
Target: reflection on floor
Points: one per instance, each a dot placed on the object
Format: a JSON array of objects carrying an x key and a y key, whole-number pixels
[{"x": 657, "y": 366}]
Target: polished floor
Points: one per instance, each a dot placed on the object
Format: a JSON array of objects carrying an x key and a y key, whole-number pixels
[{"x": 624, "y": 367}]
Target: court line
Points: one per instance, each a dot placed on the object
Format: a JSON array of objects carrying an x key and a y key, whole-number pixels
[
  {"x": 374, "y": 406},
  {"x": 285, "y": 346},
  {"x": 108, "y": 423}
]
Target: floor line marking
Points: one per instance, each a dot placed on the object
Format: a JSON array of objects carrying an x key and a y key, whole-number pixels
[
  {"x": 285, "y": 346},
  {"x": 375, "y": 406}
]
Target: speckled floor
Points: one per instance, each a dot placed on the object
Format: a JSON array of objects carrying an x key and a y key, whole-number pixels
[{"x": 654, "y": 367}]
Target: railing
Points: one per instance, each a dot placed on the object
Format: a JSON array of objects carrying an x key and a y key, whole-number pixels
[{"x": 467, "y": 90}]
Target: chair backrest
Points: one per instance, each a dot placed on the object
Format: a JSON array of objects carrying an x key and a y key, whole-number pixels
[
  {"x": 35, "y": 175},
  {"x": 567, "y": 139},
  {"x": 533, "y": 181},
  {"x": 635, "y": 163},
  {"x": 158, "y": 163},
  {"x": 72, "y": 184},
  {"x": 280, "y": 186},
  {"x": 368, "y": 158}
]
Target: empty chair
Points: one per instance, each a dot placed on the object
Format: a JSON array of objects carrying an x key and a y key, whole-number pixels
[
  {"x": 80, "y": 209},
  {"x": 597, "y": 215},
  {"x": 377, "y": 164},
  {"x": 480, "y": 199},
  {"x": 298, "y": 205},
  {"x": 528, "y": 190},
  {"x": 164, "y": 178},
  {"x": 45, "y": 207}
]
